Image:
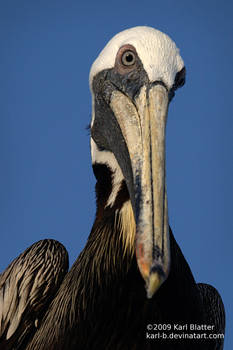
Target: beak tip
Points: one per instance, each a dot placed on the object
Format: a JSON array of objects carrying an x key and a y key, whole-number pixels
[
  {"x": 153, "y": 284},
  {"x": 149, "y": 295}
]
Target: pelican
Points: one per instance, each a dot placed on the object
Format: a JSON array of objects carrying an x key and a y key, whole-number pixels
[{"x": 131, "y": 287}]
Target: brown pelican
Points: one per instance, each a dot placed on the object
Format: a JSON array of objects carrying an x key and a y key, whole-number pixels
[{"x": 131, "y": 287}]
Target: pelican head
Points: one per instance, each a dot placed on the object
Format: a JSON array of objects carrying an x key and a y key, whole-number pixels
[{"x": 132, "y": 82}]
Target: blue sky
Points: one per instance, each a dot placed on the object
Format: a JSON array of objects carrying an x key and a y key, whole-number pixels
[{"x": 46, "y": 180}]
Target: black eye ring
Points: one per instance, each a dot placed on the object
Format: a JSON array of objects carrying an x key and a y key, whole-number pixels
[{"x": 128, "y": 58}]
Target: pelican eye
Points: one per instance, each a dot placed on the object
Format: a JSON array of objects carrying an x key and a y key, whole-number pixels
[{"x": 128, "y": 58}]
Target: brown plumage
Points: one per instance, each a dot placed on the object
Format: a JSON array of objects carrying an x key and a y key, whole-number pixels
[
  {"x": 102, "y": 302},
  {"x": 27, "y": 287}
]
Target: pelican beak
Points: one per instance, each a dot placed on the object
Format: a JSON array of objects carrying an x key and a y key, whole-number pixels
[
  {"x": 143, "y": 122},
  {"x": 132, "y": 127}
]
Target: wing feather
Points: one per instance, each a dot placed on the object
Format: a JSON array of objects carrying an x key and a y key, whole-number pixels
[{"x": 27, "y": 287}]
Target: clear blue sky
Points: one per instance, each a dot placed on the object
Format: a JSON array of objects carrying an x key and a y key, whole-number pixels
[{"x": 46, "y": 181}]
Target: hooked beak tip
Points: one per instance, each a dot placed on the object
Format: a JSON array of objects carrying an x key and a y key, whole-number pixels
[
  {"x": 154, "y": 275},
  {"x": 154, "y": 281}
]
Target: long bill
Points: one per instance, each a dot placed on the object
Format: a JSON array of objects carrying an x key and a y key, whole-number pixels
[{"x": 143, "y": 125}]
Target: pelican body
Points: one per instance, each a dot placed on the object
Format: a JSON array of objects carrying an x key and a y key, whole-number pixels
[{"x": 131, "y": 278}]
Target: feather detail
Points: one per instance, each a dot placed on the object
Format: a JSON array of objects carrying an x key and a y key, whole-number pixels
[{"x": 27, "y": 286}]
